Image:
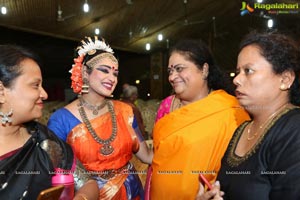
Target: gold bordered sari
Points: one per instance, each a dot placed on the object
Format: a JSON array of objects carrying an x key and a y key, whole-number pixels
[
  {"x": 192, "y": 140},
  {"x": 111, "y": 171}
]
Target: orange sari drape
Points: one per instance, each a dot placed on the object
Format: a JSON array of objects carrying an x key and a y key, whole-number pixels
[
  {"x": 192, "y": 140},
  {"x": 87, "y": 150}
]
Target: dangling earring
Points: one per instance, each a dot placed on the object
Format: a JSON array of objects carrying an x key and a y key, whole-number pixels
[
  {"x": 85, "y": 86},
  {"x": 6, "y": 117},
  {"x": 282, "y": 87}
]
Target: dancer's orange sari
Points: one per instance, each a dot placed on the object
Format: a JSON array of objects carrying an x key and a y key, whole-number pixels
[
  {"x": 88, "y": 150},
  {"x": 192, "y": 140}
]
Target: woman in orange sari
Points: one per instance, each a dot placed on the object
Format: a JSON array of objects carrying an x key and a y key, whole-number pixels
[
  {"x": 103, "y": 133},
  {"x": 194, "y": 125}
]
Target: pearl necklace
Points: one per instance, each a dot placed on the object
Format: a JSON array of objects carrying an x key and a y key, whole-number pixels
[
  {"x": 106, "y": 148},
  {"x": 90, "y": 106}
]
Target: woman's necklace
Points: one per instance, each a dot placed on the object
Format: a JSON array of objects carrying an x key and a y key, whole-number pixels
[
  {"x": 94, "y": 108},
  {"x": 249, "y": 138},
  {"x": 106, "y": 149},
  {"x": 255, "y": 134}
]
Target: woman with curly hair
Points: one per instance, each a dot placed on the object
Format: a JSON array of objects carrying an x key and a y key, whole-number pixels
[{"x": 263, "y": 158}]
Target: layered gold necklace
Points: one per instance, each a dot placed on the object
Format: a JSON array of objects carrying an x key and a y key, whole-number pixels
[{"x": 106, "y": 148}]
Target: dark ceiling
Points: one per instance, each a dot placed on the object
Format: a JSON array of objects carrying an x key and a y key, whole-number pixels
[
  {"x": 129, "y": 24},
  {"x": 53, "y": 28}
]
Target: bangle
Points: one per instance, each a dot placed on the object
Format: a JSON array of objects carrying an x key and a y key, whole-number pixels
[{"x": 83, "y": 196}]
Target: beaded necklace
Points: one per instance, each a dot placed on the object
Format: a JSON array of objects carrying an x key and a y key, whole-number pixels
[{"x": 106, "y": 148}]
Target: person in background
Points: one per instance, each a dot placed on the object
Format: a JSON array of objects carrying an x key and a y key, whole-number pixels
[
  {"x": 129, "y": 96},
  {"x": 99, "y": 129},
  {"x": 30, "y": 154},
  {"x": 194, "y": 125},
  {"x": 266, "y": 148}
]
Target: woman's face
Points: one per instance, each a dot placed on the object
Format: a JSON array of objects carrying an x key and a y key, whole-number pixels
[
  {"x": 185, "y": 77},
  {"x": 104, "y": 76},
  {"x": 257, "y": 86},
  {"x": 26, "y": 94}
]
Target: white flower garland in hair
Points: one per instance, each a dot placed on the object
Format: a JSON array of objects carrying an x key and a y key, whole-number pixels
[{"x": 90, "y": 47}]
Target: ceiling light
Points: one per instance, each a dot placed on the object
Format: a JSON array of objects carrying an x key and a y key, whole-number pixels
[
  {"x": 3, "y": 10},
  {"x": 137, "y": 82},
  {"x": 167, "y": 43},
  {"x": 160, "y": 37},
  {"x": 232, "y": 74},
  {"x": 97, "y": 31},
  {"x": 129, "y": 2},
  {"x": 259, "y": 1},
  {"x": 270, "y": 23},
  {"x": 148, "y": 46},
  {"x": 86, "y": 7},
  {"x": 144, "y": 30},
  {"x": 130, "y": 34}
]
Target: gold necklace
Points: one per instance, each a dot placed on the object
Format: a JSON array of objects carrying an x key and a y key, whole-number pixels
[
  {"x": 94, "y": 108},
  {"x": 249, "y": 138},
  {"x": 249, "y": 130},
  {"x": 106, "y": 149}
]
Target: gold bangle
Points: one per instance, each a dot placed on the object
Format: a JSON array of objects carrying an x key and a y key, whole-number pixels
[{"x": 83, "y": 196}]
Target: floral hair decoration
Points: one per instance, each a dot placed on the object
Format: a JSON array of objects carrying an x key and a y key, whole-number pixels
[
  {"x": 89, "y": 47},
  {"x": 76, "y": 76}
]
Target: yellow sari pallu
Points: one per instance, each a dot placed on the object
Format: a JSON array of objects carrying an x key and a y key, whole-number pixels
[{"x": 192, "y": 140}]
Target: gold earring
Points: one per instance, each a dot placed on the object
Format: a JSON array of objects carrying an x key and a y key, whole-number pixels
[
  {"x": 282, "y": 87},
  {"x": 85, "y": 86}
]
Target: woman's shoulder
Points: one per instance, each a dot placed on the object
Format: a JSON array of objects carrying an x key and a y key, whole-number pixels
[
  {"x": 168, "y": 99},
  {"x": 61, "y": 111},
  {"x": 120, "y": 104},
  {"x": 62, "y": 114},
  {"x": 122, "y": 107},
  {"x": 44, "y": 133},
  {"x": 291, "y": 118},
  {"x": 286, "y": 127},
  {"x": 223, "y": 96},
  {"x": 166, "y": 102},
  {"x": 59, "y": 152}
]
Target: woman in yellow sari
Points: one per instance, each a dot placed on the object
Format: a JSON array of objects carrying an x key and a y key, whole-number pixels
[
  {"x": 193, "y": 126},
  {"x": 103, "y": 133}
]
